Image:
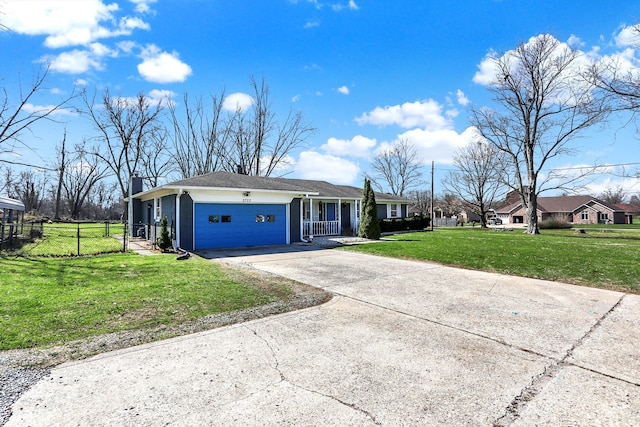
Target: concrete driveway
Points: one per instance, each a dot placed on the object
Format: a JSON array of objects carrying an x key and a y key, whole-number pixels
[{"x": 402, "y": 343}]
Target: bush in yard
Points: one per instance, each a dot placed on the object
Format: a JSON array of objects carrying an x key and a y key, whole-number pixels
[
  {"x": 554, "y": 224},
  {"x": 369, "y": 225},
  {"x": 164, "y": 241}
]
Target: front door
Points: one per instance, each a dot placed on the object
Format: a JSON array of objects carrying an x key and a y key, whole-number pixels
[{"x": 345, "y": 216}]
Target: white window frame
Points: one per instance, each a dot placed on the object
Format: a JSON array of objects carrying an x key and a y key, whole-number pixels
[{"x": 393, "y": 207}]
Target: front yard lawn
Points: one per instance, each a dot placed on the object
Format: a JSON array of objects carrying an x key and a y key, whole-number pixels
[
  {"x": 609, "y": 260},
  {"x": 46, "y": 301}
]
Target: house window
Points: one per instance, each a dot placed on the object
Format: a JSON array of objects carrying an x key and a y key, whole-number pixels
[
  {"x": 322, "y": 211},
  {"x": 226, "y": 218},
  {"x": 394, "y": 210},
  {"x": 271, "y": 218},
  {"x": 585, "y": 215},
  {"x": 214, "y": 218},
  {"x": 259, "y": 218},
  {"x": 604, "y": 216}
]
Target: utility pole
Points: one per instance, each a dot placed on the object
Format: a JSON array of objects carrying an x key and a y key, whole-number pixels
[{"x": 432, "y": 194}]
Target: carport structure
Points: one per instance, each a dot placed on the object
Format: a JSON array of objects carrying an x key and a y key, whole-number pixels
[{"x": 12, "y": 214}]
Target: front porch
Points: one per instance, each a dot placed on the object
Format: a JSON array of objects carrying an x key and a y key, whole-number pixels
[{"x": 332, "y": 217}]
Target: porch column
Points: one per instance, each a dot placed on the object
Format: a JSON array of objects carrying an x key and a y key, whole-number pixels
[
  {"x": 310, "y": 217},
  {"x": 339, "y": 216}
]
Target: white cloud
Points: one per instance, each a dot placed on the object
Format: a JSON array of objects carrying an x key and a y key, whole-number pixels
[
  {"x": 64, "y": 22},
  {"x": 142, "y": 6},
  {"x": 439, "y": 145},
  {"x": 628, "y": 36},
  {"x": 630, "y": 186},
  {"x": 129, "y": 23},
  {"x": 296, "y": 98},
  {"x": 311, "y": 24},
  {"x": 487, "y": 70},
  {"x": 67, "y": 23},
  {"x": 574, "y": 87},
  {"x": 40, "y": 109},
  {"x": 358, "y": 146},
  {"x": 426, "y": 114},
  {"x": 163, "y": 96},
  {"x": 575, "y": 42},
  {"x": 351, "y": 5},
  {"x": 237, "y": 101},
  {"x": 75, "y": 62},
  {"x": 461, "y": 97},
  {"x": 127, "y": 46},
  {"x": 313, "y": 165},
  {"x": 162, "y": 67},
  {"x": 343, "y": 90}
]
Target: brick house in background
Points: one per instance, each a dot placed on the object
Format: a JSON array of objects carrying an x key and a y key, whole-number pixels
[{"x": 573, "y": 209}]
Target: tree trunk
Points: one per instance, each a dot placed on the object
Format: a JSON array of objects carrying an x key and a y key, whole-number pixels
[{"x": 532, "y": 213}]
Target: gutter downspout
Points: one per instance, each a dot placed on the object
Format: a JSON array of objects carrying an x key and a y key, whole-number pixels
[{"x": 177, "y": 243}]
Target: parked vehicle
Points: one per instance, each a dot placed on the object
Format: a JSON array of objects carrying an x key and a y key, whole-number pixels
[{"x": 495, "y": 221}]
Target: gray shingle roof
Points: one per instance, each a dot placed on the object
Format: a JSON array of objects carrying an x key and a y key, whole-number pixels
[{"x": 222, "y": 179}]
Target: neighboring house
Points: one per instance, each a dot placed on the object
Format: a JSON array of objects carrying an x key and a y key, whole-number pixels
[
  {"x": 573, "y": 209},
  {"x": 223, "y": 209}
]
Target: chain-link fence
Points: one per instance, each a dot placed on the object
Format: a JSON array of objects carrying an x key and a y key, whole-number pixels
[{"x": 62, "y": 239}]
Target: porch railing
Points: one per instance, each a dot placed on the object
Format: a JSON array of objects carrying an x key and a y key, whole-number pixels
[{"x": 321, "y": 228}]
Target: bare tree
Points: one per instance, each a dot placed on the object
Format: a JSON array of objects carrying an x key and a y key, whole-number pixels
[
  {"x": 545, "y": 104},
  {"x": 478, "y": 178},
  {"x": 83, "y": 172},
  {"x": 18, "y": 117},
  {"x": 257, "y": 143},
  {"x": 60, "y": 168},
  {"x": 619, "y": 78},
  {"x": 29, "y": 188},
  {"x": 6, "y": 180},
  {"x": 200, "y": 139},
  {"x": 421, "y": 201},
  {"x": 127, "y": 129},
  {"x": 613, "y": 195},
  {"x": 397, "y": 169}
]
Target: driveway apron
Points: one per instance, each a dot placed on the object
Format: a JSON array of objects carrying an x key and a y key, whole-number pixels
[{"x": 401, "y": 343}]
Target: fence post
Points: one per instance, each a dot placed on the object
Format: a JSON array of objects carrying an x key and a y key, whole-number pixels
[
  {"x": 124, "y": 237},
  {"x": 78, "y": 239}
]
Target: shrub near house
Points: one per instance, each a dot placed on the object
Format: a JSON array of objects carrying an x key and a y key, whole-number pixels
[{"x": 400, "y": 224}]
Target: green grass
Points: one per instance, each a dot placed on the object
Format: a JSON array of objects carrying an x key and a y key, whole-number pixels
[
  {"x": 609, "y": 260},
  {"x": 609, "y": 226},
  {"x": 47, "y": 301}
]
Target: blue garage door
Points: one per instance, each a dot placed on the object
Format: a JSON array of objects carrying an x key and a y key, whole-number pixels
[{"x": 234, "y": 225}]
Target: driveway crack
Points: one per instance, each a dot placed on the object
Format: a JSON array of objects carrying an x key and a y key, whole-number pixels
[
  {"x": 539, "y": 382},
  {"x": 283, "y": 378}
]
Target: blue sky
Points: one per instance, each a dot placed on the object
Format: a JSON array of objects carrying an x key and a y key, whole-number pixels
[{"x": 365, "y": 73}]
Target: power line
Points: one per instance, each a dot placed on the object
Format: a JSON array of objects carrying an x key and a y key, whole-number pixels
[{"x": 27, "y": 164}]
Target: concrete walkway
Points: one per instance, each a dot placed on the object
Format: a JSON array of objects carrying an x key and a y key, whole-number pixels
[{"x": 402, "y": 343}]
